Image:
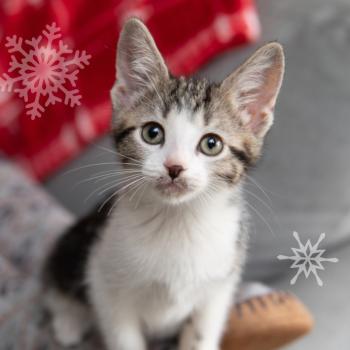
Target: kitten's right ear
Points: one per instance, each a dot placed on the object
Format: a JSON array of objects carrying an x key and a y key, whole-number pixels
[{"x": 140, "y": 65}]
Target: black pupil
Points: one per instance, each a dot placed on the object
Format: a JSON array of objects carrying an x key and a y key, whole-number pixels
[
  {"x": 211, "y": 142},
  {"x": 153, "y": 132}
]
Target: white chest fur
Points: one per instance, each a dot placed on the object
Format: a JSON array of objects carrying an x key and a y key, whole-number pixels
[{"x": 165, "y": 258}]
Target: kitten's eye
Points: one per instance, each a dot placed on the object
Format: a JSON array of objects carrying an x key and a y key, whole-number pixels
[
  {"x": 211, "y": 145},
  {"x": 153, "y": 133}
]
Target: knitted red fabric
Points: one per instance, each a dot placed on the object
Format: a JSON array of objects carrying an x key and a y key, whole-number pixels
[{"x": 187, "y": 32}]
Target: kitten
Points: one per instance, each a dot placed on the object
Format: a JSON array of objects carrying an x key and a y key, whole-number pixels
[{"x": 167, "y": 259}]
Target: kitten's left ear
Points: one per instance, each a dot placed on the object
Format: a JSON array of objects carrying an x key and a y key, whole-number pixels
[
  {"x": 253, "y": 88},
  {"x": 140, "y": 65}
]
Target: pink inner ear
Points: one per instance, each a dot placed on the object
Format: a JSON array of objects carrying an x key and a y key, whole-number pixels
[
  {"x": 260, "y": 108},
  {"x": 122, "y": 95},
  {"x": 259, "y": 119}
]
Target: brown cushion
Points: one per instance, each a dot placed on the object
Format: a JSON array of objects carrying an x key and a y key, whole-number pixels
[{"x": 266, "y": 322}]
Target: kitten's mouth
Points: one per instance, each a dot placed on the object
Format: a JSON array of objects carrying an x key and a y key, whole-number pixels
[{"x": 172, "y": 188}]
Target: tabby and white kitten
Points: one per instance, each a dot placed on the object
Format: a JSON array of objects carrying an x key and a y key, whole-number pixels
[{"x": 168, "y": 259}]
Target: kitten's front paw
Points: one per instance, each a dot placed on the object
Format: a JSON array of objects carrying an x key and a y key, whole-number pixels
[
  {"x": 67, "y": 333},
  {"x": 192, "y": 339}
]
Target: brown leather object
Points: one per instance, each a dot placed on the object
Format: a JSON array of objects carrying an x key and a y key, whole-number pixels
[{"x": 266, "y": 322}]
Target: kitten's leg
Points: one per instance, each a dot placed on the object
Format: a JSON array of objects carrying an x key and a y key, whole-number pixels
[
  {"x": 205, "y": 328},
  {"x": 122, "y": 332},
  {"x": 117, "y": 320},
  {"x": 70, "y": 319}
]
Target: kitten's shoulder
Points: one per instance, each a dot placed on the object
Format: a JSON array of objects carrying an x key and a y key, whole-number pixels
[{"x": 65, "y": 267}]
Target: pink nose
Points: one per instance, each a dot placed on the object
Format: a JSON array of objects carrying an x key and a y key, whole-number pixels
[{"x": 174, "y": 170}]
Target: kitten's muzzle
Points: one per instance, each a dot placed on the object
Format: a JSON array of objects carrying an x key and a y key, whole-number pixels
[{"x": 176, "y": 186}]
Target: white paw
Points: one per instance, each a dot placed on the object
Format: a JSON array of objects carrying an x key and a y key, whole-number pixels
[
  {"x": 192, "y": 339},
  {"x": 67, "y": 331}
]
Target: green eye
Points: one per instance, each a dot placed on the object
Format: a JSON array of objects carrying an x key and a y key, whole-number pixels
[
  {"x": 153, "y": 133},
  {"x": 211, "y": 145}
]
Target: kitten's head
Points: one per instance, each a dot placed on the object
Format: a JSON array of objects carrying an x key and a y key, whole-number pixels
[{"x": 186, "y": 136}]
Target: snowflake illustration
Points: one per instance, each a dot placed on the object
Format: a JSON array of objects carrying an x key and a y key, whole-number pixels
[
  {"x": 43, "y": 71},
  {"x": 307, "y": 258}
]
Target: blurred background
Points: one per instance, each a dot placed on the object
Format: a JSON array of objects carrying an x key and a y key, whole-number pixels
[{"x": 302, "y": 182}]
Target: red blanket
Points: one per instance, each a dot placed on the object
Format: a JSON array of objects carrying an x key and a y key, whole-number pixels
[{"x": 57, "y": 62}]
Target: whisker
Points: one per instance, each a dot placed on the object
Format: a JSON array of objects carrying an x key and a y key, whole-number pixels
[
  {"x": 260, "y": 200},
  {"x": 108, "y": 185},
  {"x": 115, "y": 163},
  {"x": 259, "y": 186},
  {"x": 116, "y": 175},
  {"x": 261, "y": 217},
  {"x": 131, "y": 188},
  {"x": 100, "y": 177},
  {"x": 136, "y": 190},
  {"x": 270, "y": 209},
  {"x": 120, "y": 190},
  {"x": 120, "y": 154},
  {"x": 117, "y": 183},
  {"x": 106, "y": 201},
  {"x": 87, "y": 166},
  {"x": 140, "y": 197}
]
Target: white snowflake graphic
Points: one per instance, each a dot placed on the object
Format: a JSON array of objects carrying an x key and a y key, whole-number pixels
[
  {"x": 43, "y": 70},
  {"x": 307, "y": 258}
]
